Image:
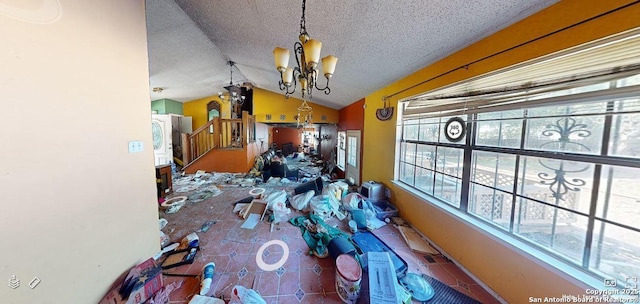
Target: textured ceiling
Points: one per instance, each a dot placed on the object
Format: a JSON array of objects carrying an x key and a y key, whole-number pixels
[{"x": 377, "y": 42}]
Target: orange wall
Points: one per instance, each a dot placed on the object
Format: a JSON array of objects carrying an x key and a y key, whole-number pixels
[
  {"x": 226, "y": 160},
  {"x": 510, "y": 272},
  {"x": 287, "y": 135},
  {"x": 352, "y": 116}
]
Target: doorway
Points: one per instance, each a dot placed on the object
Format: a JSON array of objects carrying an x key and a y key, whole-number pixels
[
  {"x": 213, "y": 110},
  {"x": 352, "y": 172}
]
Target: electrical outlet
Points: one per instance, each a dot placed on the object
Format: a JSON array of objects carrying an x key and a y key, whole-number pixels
[{"x": 135, "y": 146}]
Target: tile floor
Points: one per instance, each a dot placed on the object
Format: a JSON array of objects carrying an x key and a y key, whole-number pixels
[{"x": 302, "y": 279}]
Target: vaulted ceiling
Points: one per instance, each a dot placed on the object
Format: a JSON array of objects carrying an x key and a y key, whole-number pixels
[{"x": 377, "y": 41}]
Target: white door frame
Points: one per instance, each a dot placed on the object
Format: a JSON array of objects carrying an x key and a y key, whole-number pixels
[{"x": 353, "y": 146}]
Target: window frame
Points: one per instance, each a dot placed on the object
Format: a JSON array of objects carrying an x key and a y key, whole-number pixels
[{"x": 582, "y": 271}]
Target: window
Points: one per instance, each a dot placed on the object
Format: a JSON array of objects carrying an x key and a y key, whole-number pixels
[
  {"x": 352, "y": 157},
  {"x": 341, "y": 150},
  {"x": 556, "y": 167}
]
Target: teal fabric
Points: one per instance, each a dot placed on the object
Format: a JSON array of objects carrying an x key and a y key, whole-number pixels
[{"x": 317, "y": 242}]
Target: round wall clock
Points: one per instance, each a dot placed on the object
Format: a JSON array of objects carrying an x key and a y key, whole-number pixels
[{"x": 454, "y": 129}]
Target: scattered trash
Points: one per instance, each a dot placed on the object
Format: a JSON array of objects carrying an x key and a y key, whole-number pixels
[
  {"x": 316, "y": 233},
  {"x": 242, "y": 295},
  {"x": 275, "y": 198},
  {"x": 257, "y": 192},
  {"x": 165, "y": 250},
  {"x": 162, "y": 296},
  {"x": 382, "y": 278},
  {"x": 164, "y": 239},
  {"x": 280, "y": 212},
  {"x": 353, "y": 226},
  {"x": 415, "y": 241},
  {"x": 369, "y": 242},
  {"x": 256, "y": 206},
  {"x": 206, "y": 277},
  {"x": 189, "y": 241},
  {"x": 187, "y": 188},
  {"x": 348, "y": 276},
  {"x": 163, "y": 223},
  {"x": 320, "y": 206},
  {"x": 251, "y": 221},
  {"x": 198, "y": 299},
  {"x": 205, "y": 227},
  {"x": 180, "y": 257},
  {"x": 418, "y": 287},
  {"x": 204, "y": 194},
  {"x": 239, "y": 207},
  {"x": 301, "y": 201},
  {"x": 142, "y": 281},
  {"x": 174, "y": 204}
]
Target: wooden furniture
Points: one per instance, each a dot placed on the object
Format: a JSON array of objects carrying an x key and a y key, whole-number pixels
[{"x": 163, "y": 180}]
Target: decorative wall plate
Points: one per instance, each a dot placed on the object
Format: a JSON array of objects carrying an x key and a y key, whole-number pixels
[{"x": 384, "y": 113}]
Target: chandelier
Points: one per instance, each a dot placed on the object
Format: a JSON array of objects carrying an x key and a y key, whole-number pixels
[
  {"x": 307, "y": 53},
  {"x": 305, "y": 115},
  {"x": 234, "y": 92}
]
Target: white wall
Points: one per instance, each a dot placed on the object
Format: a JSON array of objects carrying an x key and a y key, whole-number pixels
[{"x": 76, "y": 209}]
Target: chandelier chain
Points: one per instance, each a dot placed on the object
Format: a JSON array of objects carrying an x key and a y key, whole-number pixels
[
  {"x": 231, "y": 63},
  {"x": 303, "y": 22}
]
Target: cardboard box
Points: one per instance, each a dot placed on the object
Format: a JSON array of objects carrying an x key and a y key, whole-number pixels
[
  {"x": 140, "y": 284},
  {"x": 257, "y": 206},
  {"x": 382, "y": 278}
]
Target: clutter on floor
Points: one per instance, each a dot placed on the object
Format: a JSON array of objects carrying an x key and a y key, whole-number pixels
[{"x": 261, "y": 221}]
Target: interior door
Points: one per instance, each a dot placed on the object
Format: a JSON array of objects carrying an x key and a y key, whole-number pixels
[
  {"x": 352, "y": 172},
  {"x": 162, "y": 141}
]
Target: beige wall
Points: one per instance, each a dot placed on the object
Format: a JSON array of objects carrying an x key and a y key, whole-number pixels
[
  {"x": 77, "y": 209},
  {"x": 511, "y": 273}
]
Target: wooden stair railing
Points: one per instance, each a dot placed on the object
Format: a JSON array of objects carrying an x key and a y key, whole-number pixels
[
  {"x": 218, "y": 133},
  {"x": 202, "y": 140}
]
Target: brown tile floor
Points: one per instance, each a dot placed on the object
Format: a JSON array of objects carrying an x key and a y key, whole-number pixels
[{"x": 302, "y": 279}]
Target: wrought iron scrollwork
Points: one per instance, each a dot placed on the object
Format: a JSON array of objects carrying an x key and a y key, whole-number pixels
[{"x": 558, "y": 181}]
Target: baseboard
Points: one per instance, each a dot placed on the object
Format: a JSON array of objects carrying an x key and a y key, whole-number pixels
[{"x": 467, "y": 272}]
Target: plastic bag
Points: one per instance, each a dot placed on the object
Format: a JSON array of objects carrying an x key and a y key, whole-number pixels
[
  {"x": 335, "y": 207},
  {"x": 320, "y": 206},
  {"x": 368, "y": 208},
  {"x": 351, "y": 201},
  {"x": 243, "y": 295},
  {"x": 332, "y": 190},
  {"x": 280, "y": 212},
  {"x": 301, "y": 201},
  {"x": 276, "y": 198}
]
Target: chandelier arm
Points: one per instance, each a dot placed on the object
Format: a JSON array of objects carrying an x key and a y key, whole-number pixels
[
  {"x": 326, "y": 89},
  {"x": 281, "y": 82},
  {"x": 297, "y": 49},
  {"x": 293, "y": 87}
]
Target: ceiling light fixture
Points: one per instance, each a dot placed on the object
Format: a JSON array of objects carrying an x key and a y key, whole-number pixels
[
  {"x": 307, "y": 53},
  {"x": 234, "y": 92}
]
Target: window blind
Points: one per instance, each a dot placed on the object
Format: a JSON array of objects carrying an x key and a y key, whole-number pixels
[{"x": 539, "y": 81}]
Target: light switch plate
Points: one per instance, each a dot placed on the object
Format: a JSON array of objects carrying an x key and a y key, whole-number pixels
[{"x": 135, "y": 146}]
